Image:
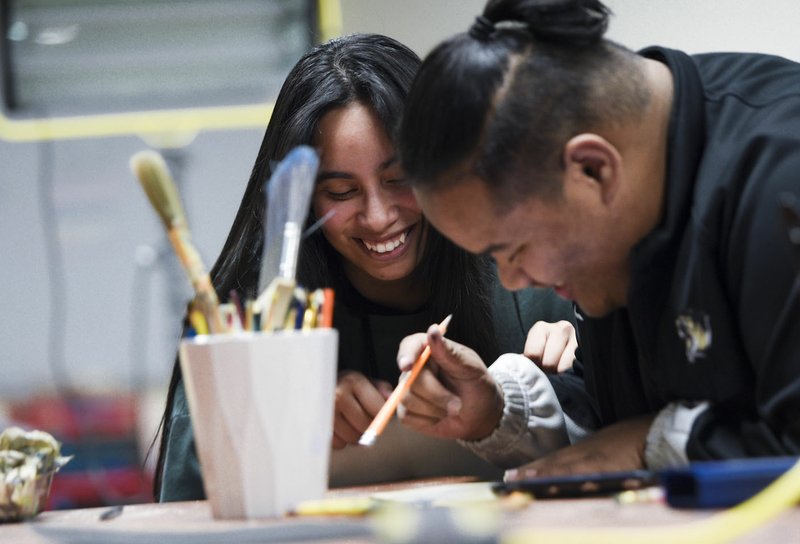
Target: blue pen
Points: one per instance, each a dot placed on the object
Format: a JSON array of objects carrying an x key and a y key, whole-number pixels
[{"x": 300, "y": 306}]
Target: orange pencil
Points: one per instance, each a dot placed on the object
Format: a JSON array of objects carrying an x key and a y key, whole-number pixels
[
  {"x": 327, "y": 308},
  {"x": 387, "y": 410}
]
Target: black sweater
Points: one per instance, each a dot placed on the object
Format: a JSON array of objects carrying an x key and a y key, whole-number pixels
[{"x": 713, "y": 311}]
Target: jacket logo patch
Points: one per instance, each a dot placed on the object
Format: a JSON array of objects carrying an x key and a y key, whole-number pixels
[{"x": 694, "y": 328}]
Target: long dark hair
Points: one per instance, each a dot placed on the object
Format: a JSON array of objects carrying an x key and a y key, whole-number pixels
[
  {"x": 376, "y": 71},
  {"x": 500, "y": 101}
]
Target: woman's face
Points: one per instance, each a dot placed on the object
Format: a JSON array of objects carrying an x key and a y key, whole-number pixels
[{"x": 377, "y": 225}]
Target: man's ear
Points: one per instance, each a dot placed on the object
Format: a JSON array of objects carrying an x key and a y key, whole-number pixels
[{"x": 590, "y": 158}]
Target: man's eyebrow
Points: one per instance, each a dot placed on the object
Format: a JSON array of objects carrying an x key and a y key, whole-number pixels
[{"x": 491, "y": 249}]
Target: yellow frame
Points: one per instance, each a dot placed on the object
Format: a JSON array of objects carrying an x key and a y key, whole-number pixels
[{"x": 171, "y": 127}]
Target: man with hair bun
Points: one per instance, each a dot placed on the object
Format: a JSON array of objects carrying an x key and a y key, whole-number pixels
[{"x": 646, "y": 187}]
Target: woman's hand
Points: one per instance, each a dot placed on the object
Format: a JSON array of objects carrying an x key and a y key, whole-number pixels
[
  {"x": 552, "y": 345},
  {"x": 358, "y": 400},
  {"x": 454, "y": 395}
]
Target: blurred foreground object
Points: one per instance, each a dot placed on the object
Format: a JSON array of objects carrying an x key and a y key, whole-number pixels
[
  {"x": 100, "y": 430},
  {"x": 28, "y": 461}
]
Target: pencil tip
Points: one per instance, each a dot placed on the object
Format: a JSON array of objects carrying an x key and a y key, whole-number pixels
[
  {"x": 443, "y": 325},
  {"x": 367, "y": 439}
]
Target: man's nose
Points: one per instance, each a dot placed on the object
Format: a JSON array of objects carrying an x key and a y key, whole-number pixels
[{"x": 512, "y": 276}]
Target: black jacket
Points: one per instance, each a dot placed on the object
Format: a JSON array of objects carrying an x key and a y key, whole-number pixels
[{"x": 714, "y": 305}]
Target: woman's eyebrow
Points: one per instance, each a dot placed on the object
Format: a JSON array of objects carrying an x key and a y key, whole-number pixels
[
  {"x": 336, "y": 174},
  {"x": 333, "y": 174},
  {"x": 391, "y": 161}
]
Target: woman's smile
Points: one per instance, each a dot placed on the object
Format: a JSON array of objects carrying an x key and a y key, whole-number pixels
[{"x": 388, "y": 247}]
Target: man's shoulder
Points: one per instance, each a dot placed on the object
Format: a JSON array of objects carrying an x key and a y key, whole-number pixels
[{"x": 754, "y": 79}]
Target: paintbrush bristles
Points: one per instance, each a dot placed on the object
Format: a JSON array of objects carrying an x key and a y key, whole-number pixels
[
  {"x": 153, "y": 174},
  {"x": 304, "y": 176},
  {"x": 154, "y": 177},
  {"x": 289, "y": 197}
]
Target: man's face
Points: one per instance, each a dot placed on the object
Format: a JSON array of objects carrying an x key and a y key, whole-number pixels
[{"x": 567, "y": 244}]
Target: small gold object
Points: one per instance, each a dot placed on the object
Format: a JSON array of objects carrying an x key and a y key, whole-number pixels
[{"x": 28, "y": 461}]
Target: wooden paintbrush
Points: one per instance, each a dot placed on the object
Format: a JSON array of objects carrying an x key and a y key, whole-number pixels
[
  {"x": 388, "y": 409},
  {"x": 288, "y": 201},
  {"x": 151, "y": 169}
]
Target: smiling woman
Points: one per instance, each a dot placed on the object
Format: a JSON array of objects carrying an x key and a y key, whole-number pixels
[
  {"x": 393, "y": 274},
  {"x": 377, "y": 226}
]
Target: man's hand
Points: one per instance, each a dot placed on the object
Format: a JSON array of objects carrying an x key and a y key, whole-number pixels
[
  {"x": 358, "y": 400},
  {"x": 454, "y": 396},
  {"x": 552, "y": 345},
  {"x": 614, "y": 448}
]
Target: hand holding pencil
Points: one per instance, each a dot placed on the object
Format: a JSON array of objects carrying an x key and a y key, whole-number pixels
[
  {"x": 455, "y": 397},
  {"x": 406, "y": 381}
]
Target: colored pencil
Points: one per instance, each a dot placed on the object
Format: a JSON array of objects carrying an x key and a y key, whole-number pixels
[{"x": 390, "y": 406}]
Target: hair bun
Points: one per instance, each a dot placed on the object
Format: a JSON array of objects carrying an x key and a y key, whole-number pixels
[
  {"x": 482, "y": 29},
  {"x": 565, "y": 21}
]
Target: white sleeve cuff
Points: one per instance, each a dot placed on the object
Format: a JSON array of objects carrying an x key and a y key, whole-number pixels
[
  {"x": 532, "y": 423},
  {"x": 575, "y": 432},
  {"x": 669, "y": 433}
]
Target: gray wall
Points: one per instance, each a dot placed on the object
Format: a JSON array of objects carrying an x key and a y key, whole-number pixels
[
  {"x": 77, "y": 279},
  {"x": 768, "y": 26},
  {"x": 420, "y": 24},
  {"x": 85, "y": 297}
]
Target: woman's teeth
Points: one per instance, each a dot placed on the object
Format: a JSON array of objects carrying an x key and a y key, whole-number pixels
[{"x": 385, "y": 247}]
